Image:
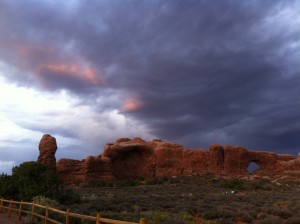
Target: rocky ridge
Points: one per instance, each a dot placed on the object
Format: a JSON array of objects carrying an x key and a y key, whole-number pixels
[{"x": 134, "y": 158}]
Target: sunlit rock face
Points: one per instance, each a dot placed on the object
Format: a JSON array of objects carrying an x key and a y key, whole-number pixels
[
  {"x": 47, "y": 148},
  {"x": 128, "y": 159}
]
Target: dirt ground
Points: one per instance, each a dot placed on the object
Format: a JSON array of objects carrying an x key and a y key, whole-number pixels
[{"x": 4, "y": 219}]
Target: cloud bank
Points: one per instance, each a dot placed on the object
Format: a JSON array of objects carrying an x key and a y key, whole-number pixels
[{"x": 192, "y": 72}]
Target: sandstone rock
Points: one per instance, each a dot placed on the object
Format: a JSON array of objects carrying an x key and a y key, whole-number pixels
[
  {"x": 97, "y": 169},
  {"x": 120, "y": 140},
  {"x": 47, "y": 148},
  {"x": 291, "y": 165},
  {"x": 217, "y": 158},
  {"x": 234, "y": 160},
  {"x": 71, "y": 171},
  {"x": 137, "y": 158},
  {"x": 169, "y": 160},
  {"x": 91, "y": 170},
  {"x": 156, "y": 140},
  {"x": 133, "y": 158},
  {"x": 196, "y": 162},
  {"x": 136, "y": 139},
  {"x": 130, "y": 159}
]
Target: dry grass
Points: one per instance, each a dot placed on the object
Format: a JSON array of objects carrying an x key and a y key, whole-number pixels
[{"x": 194, "y": 200}]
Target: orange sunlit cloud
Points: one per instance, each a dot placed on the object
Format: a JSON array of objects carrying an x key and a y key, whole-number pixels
[
  {"x": 76, "y": 70},
  {"x": 62, "y": 68},
  {"x": 90, "y": 74},
  {"x": 131, "y": 105}
]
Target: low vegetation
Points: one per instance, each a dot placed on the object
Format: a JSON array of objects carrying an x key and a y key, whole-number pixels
[
  {"x": 33, "y": 179},
  {"x": 198, "y": 199},
  {"x": 185, "y": 200}
]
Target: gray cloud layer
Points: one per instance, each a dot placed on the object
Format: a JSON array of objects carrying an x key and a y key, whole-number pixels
[{"x": 201, "y": 72}]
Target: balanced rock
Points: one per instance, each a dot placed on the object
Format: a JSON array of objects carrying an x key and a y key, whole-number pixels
[{"x": 47, "y": 148}]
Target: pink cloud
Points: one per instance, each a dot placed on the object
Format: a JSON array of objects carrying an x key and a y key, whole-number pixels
[{"x": 131, "y": 105}]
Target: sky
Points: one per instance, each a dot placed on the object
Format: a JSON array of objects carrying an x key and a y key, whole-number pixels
[{"x": 193, "y": 72}]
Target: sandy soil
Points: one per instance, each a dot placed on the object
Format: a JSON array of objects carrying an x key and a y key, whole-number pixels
[{"x": 4, "y": 219}]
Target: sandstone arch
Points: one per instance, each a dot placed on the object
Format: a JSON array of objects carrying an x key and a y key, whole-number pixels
[{"x": 130, "y": 159}]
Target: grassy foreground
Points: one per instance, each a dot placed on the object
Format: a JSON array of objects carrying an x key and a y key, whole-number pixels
[{"x": 197, "y": 199}]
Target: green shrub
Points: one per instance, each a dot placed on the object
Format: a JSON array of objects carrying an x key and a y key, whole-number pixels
[
  {"x": 28, "y": 180},
  {"x": 33, "y": 179},
  {"x": 234, "y": 184},
  {"x": 127, "y": 183},
  {"x": 271, "y": 219},
  {"x": 281, "y": 212},
  {"x": 173, "y": 220},
  {"x": 245, "y": 216},
  {"x": 67, "y": 196},
  {"x": 211, "y": 215},
  {"x": 225, "y": 221},
  {"x": 41, "y": 200},
  {"x": 261, "y": 185},
  {"x": 293, "y": 220},
  {"x": 209, "y": 222},
  {"x": 160, "y": 217},
  {"x": 154, "y": 181}
]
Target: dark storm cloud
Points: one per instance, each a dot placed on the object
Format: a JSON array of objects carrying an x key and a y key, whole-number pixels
[
  {"x": 202, "y": 71},
  {"x": 55, "y": 130}
]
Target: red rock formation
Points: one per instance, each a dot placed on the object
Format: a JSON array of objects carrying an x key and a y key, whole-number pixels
[
  {"x": 196, "y": 162},
  {"x": 130, "y": 159},
  {"x": 217, "y": 158},
  {"x": 234, "y": 160},
  {"x": 47, "y": 148},
  {"x": 87, "y": 171},
  {"x": 71, "y": 171},
  {"x": 168, "y": 159},
  {"x": 97, "y": 168}
]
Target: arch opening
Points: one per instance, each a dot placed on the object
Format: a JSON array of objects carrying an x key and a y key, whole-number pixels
[{"x": 252, "y": 167}]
